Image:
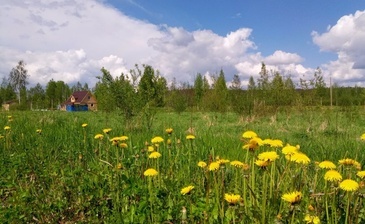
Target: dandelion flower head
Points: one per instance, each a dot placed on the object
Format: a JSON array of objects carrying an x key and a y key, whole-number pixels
[
  {"x": 268, "y": 156},
  {"x": 300, "y": 158},
  {"x": 202, "y": 164},
  {"x": 39, "y": 131},
  {"x": 312, "y": 219},
  {"x": 232, "y": 198},
  {"x": 84, "y": 125},
  {"x": 363, "y": 136},
  {"x": 249, "y": 134},
  {"x": 262, "y": 163},
  {"x": 293, "y": 197},
  {"x": 99, "y": 136},
  {"x": 327, "y": 165},
  {"x": 349, "y": 185},
  {"x": 190, "y": 137},
  {"x": 332, "y": 175},
  {"x": 169, "y": 130},
  {"x": 347, "y": 161},
  {"x": 275, "y": 143},
  {"x": 360, "y": 174},
  {"x": 150, "y": 148},
  {"x": 123, "y": 138},
  {"x": 237, "y": 164},
  {"x": 187, "y": 190},
  {"x": 7, "y": 128},
  {"x": 150, "y": 172},
  {"x": 253, "y": 144},
  {"x": 214, "y": 166},
  {"x": 289, "y": 149},
  {"x": 157, "y": 140},
  {"x": 107, "y": 130},
  {"x": 154, "y": 155}
]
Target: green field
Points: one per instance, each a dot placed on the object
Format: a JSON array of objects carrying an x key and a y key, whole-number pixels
[{"x": 54, "y": 170}]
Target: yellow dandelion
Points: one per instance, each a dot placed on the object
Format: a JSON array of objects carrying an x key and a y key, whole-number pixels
[
  {"x": 187, "y": 190},
  {"x": 119, "y": 166},
  {"x": 202, "y": 164},
  {"x": 253, "y": 144},
  {"x": 360, "y": 174},
  {"x": 312, "y": 219},
  {"x": 232, "y": 198},
  {"x": 249, "y": 134},
  {"x": 332, "y": 175},
  {"x": 363, "y": 136},
  {"x": 107, "y": 130},
  {"x": 262, "y": 163},
  {"x": 123, "y": 138},
  {"x": 99, "y": 136},
  {"x": 347, "y": 161},
  {"x": 169, "y": 131},
  {"x": 154, "y": 155},
  {"x": 157, "y": 140},
  {"x": 1, "y": 136},
  {"x": 268, "y": 156},
  {"x": 115, "y": 139},
  {"x": 84, "y": 125},
  {"x": 150, "y": 148},
  {"x": 222, "y": 161},
  {"x": 237, "y": 164},
  {"x": 357, "y": 165},
  {"x": 123, "y": 145},
  {"x": 293, "y": 197},
  {"x": 289, "y": 149},
  {"x": 150, "y": 172},
  {"x": 349, "y": 185},
  {"x": 214, "y": 166},
  {"x": 300, "y": 158},
  {"x": 6, "y": 128},
  {"x": 275, "y": 143},
  {"x": 190, "y": 137},
  {"x": 39, "y": 131},
  {"x": 327, "y": 165}
]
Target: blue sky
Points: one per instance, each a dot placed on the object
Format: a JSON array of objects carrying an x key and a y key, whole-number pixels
[
  {"x": 71, "y": 40},
  {"x": 276, "y": 24}
]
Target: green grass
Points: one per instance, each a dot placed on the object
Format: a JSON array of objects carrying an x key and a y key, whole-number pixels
[{"x": 65, "y": 175}]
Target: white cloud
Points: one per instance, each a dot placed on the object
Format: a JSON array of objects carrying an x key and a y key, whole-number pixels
[
  {"x": 347, "y": 40},
  {"x": 71, "y": 40}
]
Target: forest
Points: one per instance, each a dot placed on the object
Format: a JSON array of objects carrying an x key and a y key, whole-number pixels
[{"x": 144, "y": 87}]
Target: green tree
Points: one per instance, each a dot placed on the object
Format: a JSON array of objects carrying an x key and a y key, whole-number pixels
[
  {"x": 18, "y": 79},
  {"x": 104, "y": 91},
  {"x": 37, "y": 97},
  {"x": 51, "y": 93},
  {"x": 198, "y": 89},
  {"x": 236, "y": 83},
  {"x": 6, "y": 91}
]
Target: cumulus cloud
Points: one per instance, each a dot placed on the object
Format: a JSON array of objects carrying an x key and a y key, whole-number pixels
[
  {"x": 347, "y": 39},
  {"x": 71, "y": 40}
]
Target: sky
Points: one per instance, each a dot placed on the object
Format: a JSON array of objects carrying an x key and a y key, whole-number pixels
[{"x": 71, "y": 40}]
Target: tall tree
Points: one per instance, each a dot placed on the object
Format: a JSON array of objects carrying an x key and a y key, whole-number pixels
[
  {"x": 198, "y": 88},
  {"x": 37, "y": 97},
  {"x": 18, "y": 78},
  {"x": 263, "y": 81},
  {"x": 236, "y": 83},
  {"x": 51, "y": 93}
]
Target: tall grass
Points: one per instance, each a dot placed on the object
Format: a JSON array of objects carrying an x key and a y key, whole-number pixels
[{"x": 64, "y": 174}]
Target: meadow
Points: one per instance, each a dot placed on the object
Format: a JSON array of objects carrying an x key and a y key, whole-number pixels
[{"x": 295, "y": 165}]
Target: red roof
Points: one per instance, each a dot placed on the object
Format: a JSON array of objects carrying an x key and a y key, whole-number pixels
[{"x": 80, "y": 97}]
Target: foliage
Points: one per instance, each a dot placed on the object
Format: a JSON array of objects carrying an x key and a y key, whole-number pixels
[{"x": 18, "y": 78}]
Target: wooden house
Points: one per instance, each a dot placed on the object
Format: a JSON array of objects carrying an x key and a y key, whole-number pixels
[{"x": 80, "y": 101}]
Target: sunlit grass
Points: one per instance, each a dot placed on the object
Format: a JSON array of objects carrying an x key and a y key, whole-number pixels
[{"x": 191, "y": 167}]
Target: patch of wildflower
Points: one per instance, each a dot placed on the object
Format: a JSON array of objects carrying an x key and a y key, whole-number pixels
[{"x": 84, "y": 125}]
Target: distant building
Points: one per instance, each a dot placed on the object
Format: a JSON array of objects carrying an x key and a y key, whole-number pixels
[
  {"x": 6, "y": 105},
  {"x": 80, "y": 101}
]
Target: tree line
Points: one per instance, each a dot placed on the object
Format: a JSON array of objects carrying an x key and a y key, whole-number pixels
[{"x": 144, "y": 90}]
